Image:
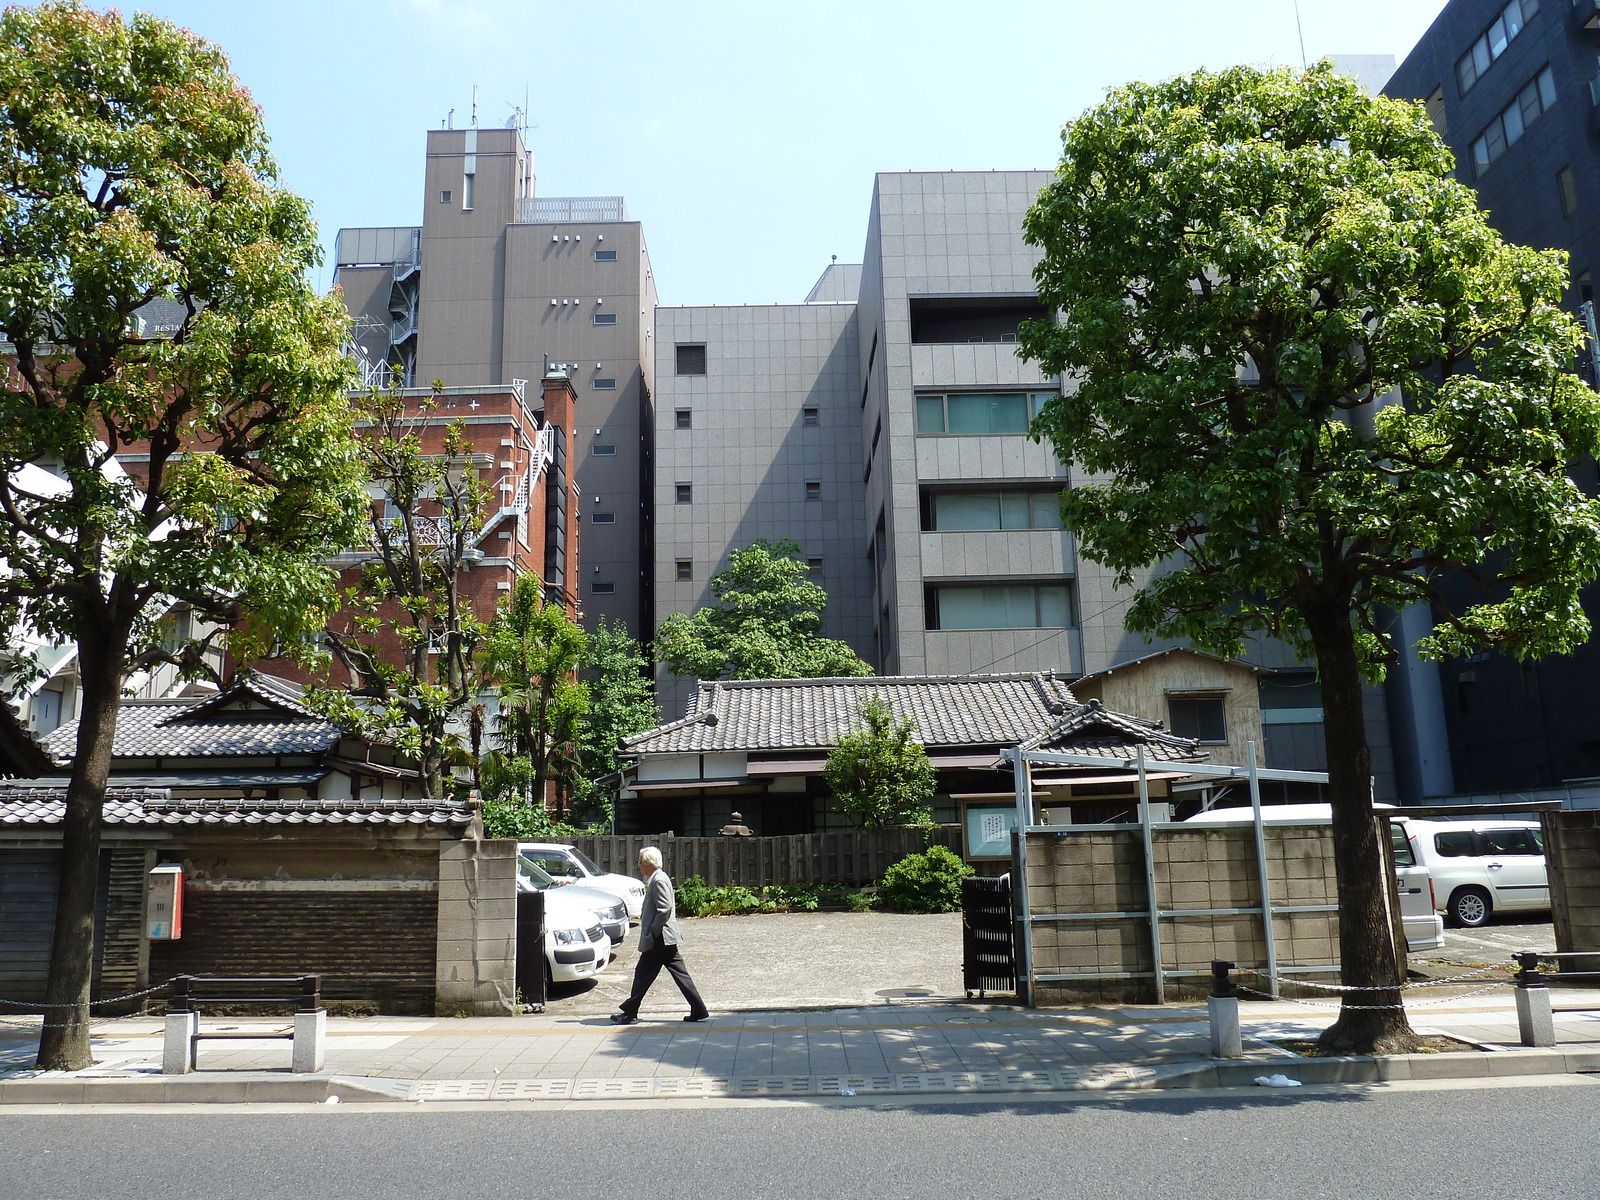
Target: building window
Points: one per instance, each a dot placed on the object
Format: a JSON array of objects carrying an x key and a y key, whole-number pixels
[
  {"x": 603, "y": 449},
  {"x": 958, "y": 413},
  {"x": 605, "y": 256},
  {"x": 999, "y": 606},
  {"x": 1508, "y": 22},
  {"x": 810, "y": 416},
  {"x": 683, "y": 418},
  {"x": 684, "y": 493},
  {"x": 605, "y": 385},
  {"x": 602, "y": 589},
  {"x": 1202, "y": 717},
  {"x": 469, "y": 189},
  {"x": 813, "y": 490},
  {"x": 692, "y": 359},
  {"x": 814, "y": 565},
  {"x": 601, "y": 518},
  {"x": 46, "y": 711},
  {"x": 1568, "y": 191},
  {"x": 605, "y": 318},
  {"x": 685, "y": 569},
  {"x": 1506, "y": 130},
  {"x": 1436, "y": 114},
  {"x": 950, "y": 512},
  {"x": 444, "y": 196}
]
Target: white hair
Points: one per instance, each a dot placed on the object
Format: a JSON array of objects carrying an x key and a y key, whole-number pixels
[{"x": 651, "y": 855}]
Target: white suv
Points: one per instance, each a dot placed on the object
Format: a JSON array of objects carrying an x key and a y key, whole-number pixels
[
  {"x": 567, "y": 864},
  {"x": 1482, "y": 867}
]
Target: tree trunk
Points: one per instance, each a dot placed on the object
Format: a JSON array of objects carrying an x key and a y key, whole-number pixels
[
  {"x": 64, "y": 1038},
  {"x": 1370, "y": 1022}
]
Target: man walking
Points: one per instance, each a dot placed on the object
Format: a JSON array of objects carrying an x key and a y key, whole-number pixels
[{"x": 658, "y": 943}]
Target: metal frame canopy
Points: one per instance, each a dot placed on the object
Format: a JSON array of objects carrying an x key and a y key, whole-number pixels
[{"x": 1023, "y": 762}]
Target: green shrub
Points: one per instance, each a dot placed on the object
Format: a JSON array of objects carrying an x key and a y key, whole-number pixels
[
  {"x": 861, "y": 901},
  {"x": 696, "y": 899},
  {"x": 924, "y": 883}
]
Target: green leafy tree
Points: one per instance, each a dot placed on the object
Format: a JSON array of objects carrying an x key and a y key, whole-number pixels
[
  {"x": 880, "y": 775},
  {"x": 622, "y": 702},
  {"x": 1252, "y": 268},
  {"x": 766, "y": 624},
  {"x": 134, "y": 169},
  {"x": 532, "y": 654},
  {"x": 927, "y": 883},
  {"x": 405, "y": 633}
]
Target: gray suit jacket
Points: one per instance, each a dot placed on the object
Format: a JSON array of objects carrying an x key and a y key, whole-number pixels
[{"x": 658, "y": 919}]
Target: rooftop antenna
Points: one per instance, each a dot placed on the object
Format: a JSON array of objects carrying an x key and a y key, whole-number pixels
[
  {"x": 475, "y": 97},
  {"x": 1301, "y": 30}
]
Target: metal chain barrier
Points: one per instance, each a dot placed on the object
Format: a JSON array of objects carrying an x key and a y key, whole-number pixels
[
  {"x": 1342, "y": 988},
  {"x": 92, "y": 1004}
]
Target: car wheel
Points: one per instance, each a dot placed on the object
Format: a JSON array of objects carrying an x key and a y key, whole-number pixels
[{"x": 1470, "y": 907}]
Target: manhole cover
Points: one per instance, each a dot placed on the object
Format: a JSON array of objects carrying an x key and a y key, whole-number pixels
[
  {"x": 967, "y": 1021},
  {"x": 904, "y": 993}
]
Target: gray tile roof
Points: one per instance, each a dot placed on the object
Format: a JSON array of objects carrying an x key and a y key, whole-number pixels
[
  {"x": 1094, "y": 729},
  {"x": 151, "y": 806},
  {"x": 254, "y": 717},
  {"x": 949, "y": 711}
]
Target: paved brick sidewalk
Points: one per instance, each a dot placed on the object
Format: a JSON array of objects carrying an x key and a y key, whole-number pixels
[{"x": 894, "y": 1048}]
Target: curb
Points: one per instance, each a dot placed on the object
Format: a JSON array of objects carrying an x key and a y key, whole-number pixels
[
  {"x": 262, "y": 1088},
  {"x": 235, "y": 1088}
]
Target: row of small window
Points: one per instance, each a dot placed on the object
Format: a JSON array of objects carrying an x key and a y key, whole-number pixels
[
  {"x": 683, "y": 418},
  {"x": 1505, "y": 130},
  {"x": 683, "y": 493},
  {"x": 1506, "y": 25},
  {"x": 978, "y": 412}
]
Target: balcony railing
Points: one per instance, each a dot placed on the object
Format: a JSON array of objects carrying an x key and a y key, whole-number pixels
[{"x": 540, "y": 209}]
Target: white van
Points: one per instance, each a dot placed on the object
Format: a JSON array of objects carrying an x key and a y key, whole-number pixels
[
  {"x": 1482, "y": 867},
  {"x": 1418, "y": 904}
]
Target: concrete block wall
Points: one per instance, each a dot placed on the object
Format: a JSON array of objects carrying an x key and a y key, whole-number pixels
[
  {"x": 476, "y": 972},
  {"x": 1572, "y": 854},
  {"x": 1195, "y": 870}
]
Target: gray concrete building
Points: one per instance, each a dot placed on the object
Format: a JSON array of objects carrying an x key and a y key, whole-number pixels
[
  {"x": 888, "y": 436},
  {"x": 498, "y": 283}
]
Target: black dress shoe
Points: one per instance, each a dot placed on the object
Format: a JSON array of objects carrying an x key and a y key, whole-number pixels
[
  {"x": 705, "y": 1016},
  {"x": 623, "y": 1019}
]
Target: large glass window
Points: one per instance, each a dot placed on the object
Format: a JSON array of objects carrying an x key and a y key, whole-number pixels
[
  {"x": 1507, "y": 128},
  {"x": 967, "y": 413},
  {"x": 999, "y": 606},
  {"x": 1203, "y": 717},
  {"x": 1508, "y": 22},
  {"x": 944, "y": 512}
]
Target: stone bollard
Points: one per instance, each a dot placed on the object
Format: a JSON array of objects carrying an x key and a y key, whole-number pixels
[
  {"x": 1227, "y": 1040},
  {"x": 1536, "y": 1021},
  {"x": 177, "y": 1046},
  {"x": 310, "y": 1041}
]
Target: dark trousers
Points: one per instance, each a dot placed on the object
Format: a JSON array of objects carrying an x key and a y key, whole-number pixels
[{"x": 651, "y": 963}]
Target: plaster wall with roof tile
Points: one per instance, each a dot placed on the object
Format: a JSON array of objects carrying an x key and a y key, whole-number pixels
[{"x": 1146, "y": 686}]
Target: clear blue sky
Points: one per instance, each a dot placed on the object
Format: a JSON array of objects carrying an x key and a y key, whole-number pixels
[{"x": 743, "y": 133}]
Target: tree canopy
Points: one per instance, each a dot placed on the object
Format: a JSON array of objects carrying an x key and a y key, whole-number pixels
[
  {"x": 622, "y": 702},
  {"x": 154, "y": 295},
  {"x": 766, "y": 623},
  {"x": 1311, "y": 383},
  {"x": 880, "y": 775}
]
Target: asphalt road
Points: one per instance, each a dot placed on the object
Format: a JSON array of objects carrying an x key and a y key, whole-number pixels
[
  {"x": 1495, "y": 942},
  {"x": 1473, "y": 1143}
]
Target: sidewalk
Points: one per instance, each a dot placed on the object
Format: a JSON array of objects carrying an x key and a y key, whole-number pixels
[{"x": 894, "y": 1048}]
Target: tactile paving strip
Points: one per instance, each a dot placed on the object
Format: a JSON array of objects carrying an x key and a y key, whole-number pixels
[{"x": 707, "y": 1086}]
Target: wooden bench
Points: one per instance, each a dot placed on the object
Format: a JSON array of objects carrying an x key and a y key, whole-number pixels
[{"x": 190, "y": 993}]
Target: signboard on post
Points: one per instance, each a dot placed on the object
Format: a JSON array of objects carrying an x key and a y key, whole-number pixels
[{"x": 163, "y": 903}]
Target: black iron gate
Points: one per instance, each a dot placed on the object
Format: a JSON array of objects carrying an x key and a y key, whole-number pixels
[
  {"x": 988, "y": 957},
  {"x": 531, "y": 965}
]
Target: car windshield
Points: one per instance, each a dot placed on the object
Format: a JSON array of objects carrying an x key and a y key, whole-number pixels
[
  {"x": 534, "y": 873},
  {"x": 585, "y": 862}
]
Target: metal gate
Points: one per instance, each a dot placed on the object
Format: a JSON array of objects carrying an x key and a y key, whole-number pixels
[
  {"x": 988, "y": 960},
  {"x": 531, "y": 965}
]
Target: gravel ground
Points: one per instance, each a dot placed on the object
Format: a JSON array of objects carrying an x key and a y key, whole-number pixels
[{"x": 790, "y": 960}]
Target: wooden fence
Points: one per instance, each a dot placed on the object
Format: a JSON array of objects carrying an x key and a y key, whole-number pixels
[{"x": 853, "y": 858}]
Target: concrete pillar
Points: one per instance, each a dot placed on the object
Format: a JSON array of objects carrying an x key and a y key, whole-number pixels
[
  {"x": 310, "y": 1041},
  {"x": 177, "y": 1053},
  {"x": 1227, "y": 1039},
  {"x": 476, "y": 969},
  {"x": 1535, "y": 1020}
]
